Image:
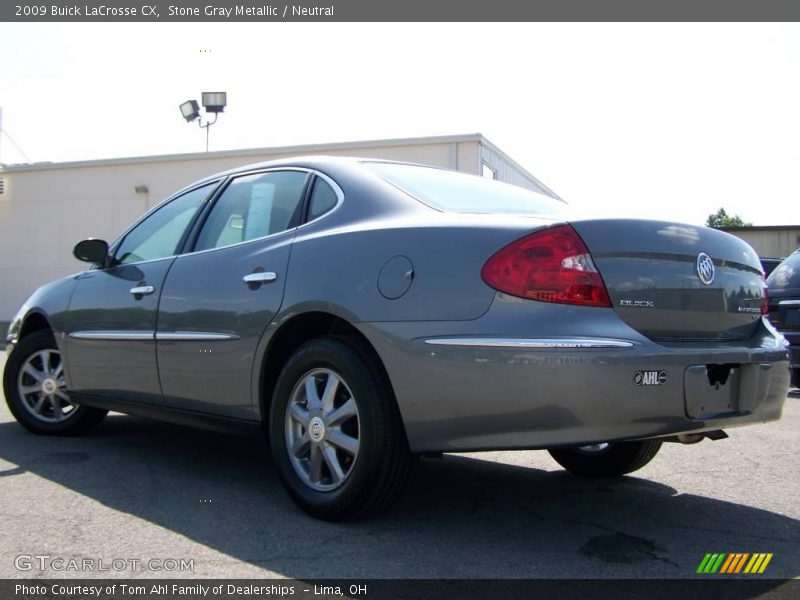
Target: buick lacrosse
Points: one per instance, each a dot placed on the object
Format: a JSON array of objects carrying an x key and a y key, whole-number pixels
[{"x": 365, "y": 312}]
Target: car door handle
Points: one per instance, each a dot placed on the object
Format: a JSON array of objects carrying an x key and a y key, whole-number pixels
[
  {"x": 142, "y": 290},
  {"x": 263, "y": 277}
]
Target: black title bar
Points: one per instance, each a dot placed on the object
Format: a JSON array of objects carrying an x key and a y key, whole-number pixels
[
  {"x": 398, "y": 10},
  {"x": 704, "y": 587}
]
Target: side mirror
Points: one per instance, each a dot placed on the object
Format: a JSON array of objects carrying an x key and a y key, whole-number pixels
[{"x": 91, "y": 250}]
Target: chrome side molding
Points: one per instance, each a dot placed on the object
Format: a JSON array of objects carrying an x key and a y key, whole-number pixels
[
  {"x": 161, "y": 336},
  {"x": 533, "y": 343},
  {"x": 113, "y": 335},
  {"x": 193, "y": 336}
]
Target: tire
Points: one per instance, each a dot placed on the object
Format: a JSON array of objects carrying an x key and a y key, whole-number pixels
[
  {"x": 606, "y": 460},
  {"x": 351, "y": 456},
  {"x": 32, "y": 370},
  {"x": 796, "y": 377}
]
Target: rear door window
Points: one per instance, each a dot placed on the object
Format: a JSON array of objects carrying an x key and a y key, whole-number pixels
[
  {"x": 253, "y": 206},
  {"x": 323, "y": 199}
]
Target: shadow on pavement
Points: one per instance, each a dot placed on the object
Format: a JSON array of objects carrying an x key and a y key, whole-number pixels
[{"x": 461, "y": 517}]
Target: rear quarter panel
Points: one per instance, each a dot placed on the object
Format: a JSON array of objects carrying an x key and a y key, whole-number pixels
[{"x": 337, "y": 260}]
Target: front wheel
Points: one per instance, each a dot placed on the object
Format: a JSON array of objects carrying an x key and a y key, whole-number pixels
[
  {"x": 35, "y": 390},
  {"x": 606, "y": 459},
  {"x": 335, "y": 432}
]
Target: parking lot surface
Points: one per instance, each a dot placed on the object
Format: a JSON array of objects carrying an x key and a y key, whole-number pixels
[{"x": 145, "y": 491}]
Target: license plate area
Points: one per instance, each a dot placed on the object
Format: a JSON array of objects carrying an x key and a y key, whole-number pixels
[{"x": 724, "y": 389}]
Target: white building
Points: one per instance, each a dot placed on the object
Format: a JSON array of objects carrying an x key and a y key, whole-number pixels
[
  {"x": 776, "y": 241},
  {"x": 46, "y": 208}
]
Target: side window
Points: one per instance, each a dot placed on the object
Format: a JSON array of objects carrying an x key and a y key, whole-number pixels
[
  {"x": 323, "y": 199},
  {"x": 159, "y": 234},
  {"x": 251, "y": 207}
]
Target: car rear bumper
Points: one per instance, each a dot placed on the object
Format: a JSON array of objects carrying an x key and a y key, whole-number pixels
[
  {"x": 458, "y": 397},
  {"x": 793, "y": 337}
]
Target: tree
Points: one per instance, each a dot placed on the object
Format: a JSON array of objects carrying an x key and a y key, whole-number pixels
[{"x": 722, "y": 219}]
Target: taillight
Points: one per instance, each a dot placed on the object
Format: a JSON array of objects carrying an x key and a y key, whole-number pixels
[
  {"x": 765, "y": 302},
  {"x": 553, "y": 265}
]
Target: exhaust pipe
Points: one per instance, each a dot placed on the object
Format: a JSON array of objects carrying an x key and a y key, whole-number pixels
[{"x": 694, "y": 438}]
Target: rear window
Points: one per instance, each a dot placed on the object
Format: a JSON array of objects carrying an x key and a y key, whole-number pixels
[
  {"x": 786, "y": 275},
  {"x": 450, "y": 191}
]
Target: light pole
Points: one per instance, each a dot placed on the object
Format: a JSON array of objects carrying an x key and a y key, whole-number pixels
[{"x": 213, "y": 102}]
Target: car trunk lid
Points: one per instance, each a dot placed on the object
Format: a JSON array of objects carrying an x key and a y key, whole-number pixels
[{"x": 676, "y": 282}]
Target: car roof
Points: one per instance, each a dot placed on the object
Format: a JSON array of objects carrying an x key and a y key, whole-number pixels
[{"x": 319, "y": 162}]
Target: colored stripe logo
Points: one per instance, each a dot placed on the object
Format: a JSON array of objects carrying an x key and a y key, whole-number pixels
[{"x": 736, "y": 562}]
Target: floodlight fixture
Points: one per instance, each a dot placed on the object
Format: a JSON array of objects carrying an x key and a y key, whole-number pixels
[
  {"x": 190, "y": 110},
  {"x": 214, "y": 102}
]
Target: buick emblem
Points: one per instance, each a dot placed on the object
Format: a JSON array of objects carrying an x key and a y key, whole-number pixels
[
  {"x": 705, "y": 268},
  {"x": 316, "y": 429}
]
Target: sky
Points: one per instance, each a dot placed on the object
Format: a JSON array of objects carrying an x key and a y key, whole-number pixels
[{"x": 668, "y": 121}]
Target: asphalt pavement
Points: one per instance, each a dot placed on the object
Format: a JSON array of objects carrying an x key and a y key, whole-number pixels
[{"x": 147, "y": 493}]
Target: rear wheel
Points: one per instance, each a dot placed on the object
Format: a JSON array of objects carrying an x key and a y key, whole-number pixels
[
  {"x": 606, "y": 459},
  {"x": 335, "y": 432},
  {"x": 35, "y": 389}
]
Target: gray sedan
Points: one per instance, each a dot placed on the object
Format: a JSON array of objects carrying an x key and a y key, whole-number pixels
[{"x": 365, "y": 312}]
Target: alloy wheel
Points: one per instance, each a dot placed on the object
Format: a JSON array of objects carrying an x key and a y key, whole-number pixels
[
  {"x": 322, "y": 430},
  {"x": 42, "y": 387}
]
